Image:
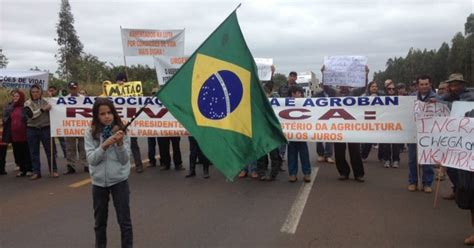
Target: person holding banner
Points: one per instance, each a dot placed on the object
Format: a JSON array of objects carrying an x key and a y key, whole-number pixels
[
  {"x": 38, "y": 130},
  {"x": 108, "y": 153},
  {"x": 296, "y": 148},
  {"x": 284, "y": 91},
  {"x": 325, "y": 150},
  {"x": 14, "y": 122},
  {"x": 75, "y": 145},
  {"x": 372, "y": 90},
  {"x": 390, "y": 152},
  {"x": 54, "y": 92},
  {"x": 465, "y": 192},
  {"x": 354, "y": 154},
  {"x": 195, "y": 153},
  {"x": 425, "y": 93},
  {"x": 456, "y": 91}
]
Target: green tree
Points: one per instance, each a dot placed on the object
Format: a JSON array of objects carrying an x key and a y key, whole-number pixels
[
  {"x": 469, "y": 26},
  {"x": 457, "y": 54},
  {"x": 91, "y": 70},
  {"x": 70, "y": 47},
  {"x": 440, "y": 63},
  {"x": 3, "y": 60},
  {"x": 279, "y": 80}
]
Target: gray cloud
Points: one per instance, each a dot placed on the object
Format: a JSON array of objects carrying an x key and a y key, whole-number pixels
[{"x": 297, "y": 34}]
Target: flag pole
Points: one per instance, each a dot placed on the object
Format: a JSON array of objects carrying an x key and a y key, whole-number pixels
[{"x": 124, "y": 59}]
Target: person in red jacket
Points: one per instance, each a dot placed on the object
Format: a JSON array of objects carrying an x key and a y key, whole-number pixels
[{"x": 14, "y": 122}]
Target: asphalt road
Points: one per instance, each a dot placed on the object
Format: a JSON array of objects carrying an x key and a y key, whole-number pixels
[{"x": 171, "y": 211}]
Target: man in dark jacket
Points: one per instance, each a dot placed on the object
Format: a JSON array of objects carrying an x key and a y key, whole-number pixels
[
  {"x": 425, "y": 93},
  {"x": 457, "y": 92}
]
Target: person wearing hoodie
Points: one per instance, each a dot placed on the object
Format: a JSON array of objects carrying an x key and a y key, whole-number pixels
[
  {"x": 14, "y": 121},
  {"x": 108, "y": 153},
  {"x": 38, "y": 130}
]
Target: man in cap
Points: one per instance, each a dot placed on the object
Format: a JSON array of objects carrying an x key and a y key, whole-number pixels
[
  {"x": 75, "y": 145},
  {"x": 457, "y": 92}
]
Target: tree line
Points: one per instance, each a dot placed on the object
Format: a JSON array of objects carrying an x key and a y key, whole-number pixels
[{"x": 439, "y": 64}]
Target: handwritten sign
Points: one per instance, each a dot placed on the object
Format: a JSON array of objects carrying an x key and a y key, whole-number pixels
[
  {"x": 448, "y": 141},
  {"x": 167, "y": 66},
  {"x": 429, "y": 109},
  {"x": 146, "y": 42},
  {"x": 344, "y": 71},
  {"x": 16, "y": 79},
  {"x": 127, "y": 89},
  {"x": 264, "y": 67}
]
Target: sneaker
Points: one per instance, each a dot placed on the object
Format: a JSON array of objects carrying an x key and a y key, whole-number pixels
[
  {"x": 330, "y": 160},
  {"x": 29, "y": 173},
  {"x": 412, "y": 188},
  {"x": 242, "y": 174},
  {"x": 292, "y": 179},
  {"x": 396, "y": 164},
  {"x": 164, "y": 167},
  {"x": 269, "y": 178},
  {"x": 20, "y": 174},
  {"x": 35, "y": 177},
  {"x": 55, "y": 175},
  {"x": 343, "y": 178},
  {"x": 359, "y": 179},
  {"x": 254, "y": 175},
  {"x": 307, "y": 178},
  {"x": 139, "y": 169},
  {"x": 427, "y": 189},
  {"x": 387, "y": 164},
  {"x": 321, "y": 159},
  {"x": 179, "y": 167}
]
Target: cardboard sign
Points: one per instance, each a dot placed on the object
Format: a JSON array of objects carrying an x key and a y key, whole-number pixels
[
  {"x": 127, "y": 89},
  {"x": 344, "y": 71}
]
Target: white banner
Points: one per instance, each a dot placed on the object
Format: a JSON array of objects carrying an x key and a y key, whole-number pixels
[
  {"x": 460, "y": 108},
  {"x": 167, "y": 66},
  {"x": 146, "y": 42},
  {"x": 344, "y": 70},
  {"x": 17, "y": 79},
  {"x": 73, "y": 115},
  {"x": 264, "y": 67},
  {"x": 347, "y": 119},
  {"x": 448, "y": 141}
]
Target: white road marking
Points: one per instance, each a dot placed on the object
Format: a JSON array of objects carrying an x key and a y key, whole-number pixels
[{"x": 294, "y": 216}]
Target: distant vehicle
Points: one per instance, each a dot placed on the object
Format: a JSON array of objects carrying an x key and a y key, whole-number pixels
[{"x": 308, "y": 81}]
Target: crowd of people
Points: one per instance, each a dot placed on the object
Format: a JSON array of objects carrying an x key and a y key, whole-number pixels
[{"x": 26, "y": 125}]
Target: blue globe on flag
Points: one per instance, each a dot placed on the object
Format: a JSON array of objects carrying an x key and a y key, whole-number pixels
[{"x": 220, "y": 95}]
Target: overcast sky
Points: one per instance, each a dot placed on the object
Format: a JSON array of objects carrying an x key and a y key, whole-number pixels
[{"x": 296, "y": 34}]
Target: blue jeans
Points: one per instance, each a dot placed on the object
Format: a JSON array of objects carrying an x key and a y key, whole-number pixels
[
  {"x": 324, "y": 149},
  {"x": 252, "y": 167},
  {"x": 427, "y": 169},
  {"x": 295, "y": 148},
  {"x": 35, "y": 136}
]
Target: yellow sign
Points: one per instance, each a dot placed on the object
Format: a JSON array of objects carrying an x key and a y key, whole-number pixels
[{"x": 127, "y": 89}]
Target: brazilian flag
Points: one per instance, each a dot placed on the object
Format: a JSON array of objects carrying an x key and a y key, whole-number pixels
[{"x": 217, "y": 97}]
